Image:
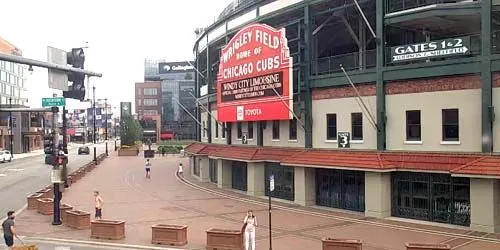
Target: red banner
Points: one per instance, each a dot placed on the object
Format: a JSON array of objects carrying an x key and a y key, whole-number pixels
[{"x": 255, "y": 81}]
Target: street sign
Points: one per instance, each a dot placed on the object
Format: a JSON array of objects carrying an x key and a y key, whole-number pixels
[
  {"x": 53, "y": 102},
  {"x": 57, "y": 79},
  {"x": 432, "y": 49},
  {"x": 344, "y": 139},
  {"x": 271, "y": 183}
]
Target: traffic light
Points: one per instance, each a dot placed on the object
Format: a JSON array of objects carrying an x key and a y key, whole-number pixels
[
  {"x": 76, "y": 58},
  {"x": 60, "y": 160},
  {"x": 48, "y": 144}
]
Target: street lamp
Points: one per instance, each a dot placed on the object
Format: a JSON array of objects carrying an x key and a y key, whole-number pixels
[
  {"x": 105, "y": 122},
  {"x": 11, "y": 132}
]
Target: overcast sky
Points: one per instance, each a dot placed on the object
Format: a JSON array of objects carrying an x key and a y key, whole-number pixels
[{"x": 120, "y": 34}]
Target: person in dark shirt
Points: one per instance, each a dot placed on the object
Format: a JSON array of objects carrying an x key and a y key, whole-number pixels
[{"x": 8, "y": 229}]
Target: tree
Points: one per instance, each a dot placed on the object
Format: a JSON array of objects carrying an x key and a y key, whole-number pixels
[{"x": 131, "y": 131}]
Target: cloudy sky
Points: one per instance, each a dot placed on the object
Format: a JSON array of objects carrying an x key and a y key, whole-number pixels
[{"x": 120, "y": 34}]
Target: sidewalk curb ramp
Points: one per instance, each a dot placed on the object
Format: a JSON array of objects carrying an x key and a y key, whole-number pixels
[{"x": 91, "y": 243}]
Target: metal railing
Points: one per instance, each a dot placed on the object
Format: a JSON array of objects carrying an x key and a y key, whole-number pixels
[
  {"x": 351, "y": 61},
  {"x": 400, "y": 5}
]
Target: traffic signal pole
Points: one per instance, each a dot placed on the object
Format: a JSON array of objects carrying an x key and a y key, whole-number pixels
[
  {"x": 55, "y": 169},
  {"x": 65, "y": 142}
]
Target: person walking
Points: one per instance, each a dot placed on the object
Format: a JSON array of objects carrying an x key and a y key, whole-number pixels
[
  {"x": 180, "y": 171},
  {"x": 249, "y": 224},
  {"x": 98, "y": 205},
  {"x": 8, "y": 230},
  {"x": 148, "y": 169}
]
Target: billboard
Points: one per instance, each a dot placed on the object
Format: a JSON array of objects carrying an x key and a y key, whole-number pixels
[
  {"x": 255, "y": 80},
  {"x": 175, "y": 67}
]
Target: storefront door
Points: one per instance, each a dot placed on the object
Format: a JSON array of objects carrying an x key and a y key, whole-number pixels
[
  {"x": 239, "y": 175},
  {"x": 431, "y": 197},
  {"x": 342, "y": 189}
]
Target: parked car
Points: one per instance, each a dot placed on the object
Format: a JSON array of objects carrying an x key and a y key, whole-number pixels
[
  {"x": 5, "y": 156},
  {"x": 83, "y": 150}
]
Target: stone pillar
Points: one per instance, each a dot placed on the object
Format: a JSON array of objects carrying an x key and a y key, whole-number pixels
[
  {"x": 224, "y": 174},
  {"x": 192, "y": 160},
  {"x": 485, "y": 205},
  {"x": 377, "y": 194},
  {"x": 256, "y": 179},
  {"x": 305, "y": 186},
  {"x": 204, "y": 168}
]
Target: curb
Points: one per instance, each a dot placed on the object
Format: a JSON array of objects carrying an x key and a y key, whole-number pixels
[{"x": 92, "y": 243}]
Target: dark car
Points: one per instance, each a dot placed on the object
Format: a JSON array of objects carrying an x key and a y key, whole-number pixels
[{"x": 83, "y": 150}]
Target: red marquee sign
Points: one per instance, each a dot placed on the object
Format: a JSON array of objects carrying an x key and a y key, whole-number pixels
[{"x": 255, "y": 80}]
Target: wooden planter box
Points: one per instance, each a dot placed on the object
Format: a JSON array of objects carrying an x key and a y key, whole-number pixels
[
  {"x": 46, "y": 193},
  {"x": 45, "y": 206},
  {"x": 419, "y": 246},
  {"x": 127, "y": 152},
  {"x": 32, "y": 200},
  {"x": 77, "y": 219},
  {"x": 169, "y": 235},
  {"x": 63, "y": 208},
  {"x": 107, "y": 229},
  {"x": 218, "y": 239},
  {"x": 341, "y": 244}
]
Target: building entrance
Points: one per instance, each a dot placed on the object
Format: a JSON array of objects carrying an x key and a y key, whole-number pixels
[
  {"x": 342, "y": 189},
  {"x": 283, "y": 181},
  {"x": 212, "y": 170},
  {"x": 239, "y": 175},
  {"x": 431, "y": 197}
]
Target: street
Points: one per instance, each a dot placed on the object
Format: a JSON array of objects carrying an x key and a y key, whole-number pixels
[{"x": 22, "y": 177}]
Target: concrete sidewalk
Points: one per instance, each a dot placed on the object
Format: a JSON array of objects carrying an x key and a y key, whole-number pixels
[{"x": 129, "y": 196}]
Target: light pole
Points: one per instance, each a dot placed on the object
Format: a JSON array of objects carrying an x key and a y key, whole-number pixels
[
  {"x": 105, "y": 122},
  {"x": 93, "y": 111},
  {"x": 11, "y": 131}
]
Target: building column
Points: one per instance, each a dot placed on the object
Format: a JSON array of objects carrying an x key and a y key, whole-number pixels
[
  {"x": 192, "y": 160},
  {"x": 256, "y": 179},
  {"x": 204, "y": 164},
  {"x": 487, "y": 112},
  {"x": 377, "y": 194},
  {"x": 305, "y": 186},
  {"x": 224, "y": 174},
  {"x": 485, "y": 205}
]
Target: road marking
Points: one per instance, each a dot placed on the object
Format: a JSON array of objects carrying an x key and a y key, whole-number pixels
[
  {"x": 3, "y": 175},
  {"x": 62, "y": 248},
  {"x": 15, "y": 169}
]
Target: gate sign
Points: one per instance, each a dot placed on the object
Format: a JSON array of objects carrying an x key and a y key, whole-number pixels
[
  {"x": 344, "y": 139},
  {"x": 433, "y": 49},
  {"x": 255, "y": 80}
]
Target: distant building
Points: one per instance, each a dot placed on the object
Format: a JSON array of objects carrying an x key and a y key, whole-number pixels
[
  {"x": 26, "y": 127},
  {"x": 148, "y": 108}
]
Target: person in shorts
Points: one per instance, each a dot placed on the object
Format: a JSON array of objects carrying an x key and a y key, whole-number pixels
[
  {"x": 148, "y": 169},
  {"x": 98, "y": 205},
  {"x": 8, "y": 229},
  {"x": 180, "y": 171}
]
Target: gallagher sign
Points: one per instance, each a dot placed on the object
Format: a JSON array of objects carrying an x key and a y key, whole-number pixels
[{"x": 254, "y": 66}]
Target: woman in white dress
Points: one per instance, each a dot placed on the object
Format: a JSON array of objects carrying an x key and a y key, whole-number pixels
[{"x": 250, "y": 224}]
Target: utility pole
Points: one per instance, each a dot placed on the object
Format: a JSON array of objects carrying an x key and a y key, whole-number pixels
[
  {"x": 93, "y": 108},
  {"x": 11, "y": 141},
  {"x": 106, "y": 122},
  {"x": 55, "y": 169}
]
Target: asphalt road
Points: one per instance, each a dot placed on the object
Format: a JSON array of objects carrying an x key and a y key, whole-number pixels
[{"x": 22, "y": 177}]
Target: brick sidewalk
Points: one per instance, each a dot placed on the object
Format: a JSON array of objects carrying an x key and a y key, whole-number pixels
[{"x": 163, "y": 199}]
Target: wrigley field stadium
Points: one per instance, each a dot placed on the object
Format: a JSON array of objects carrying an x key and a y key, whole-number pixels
[{"x": 383, "y": 108}]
